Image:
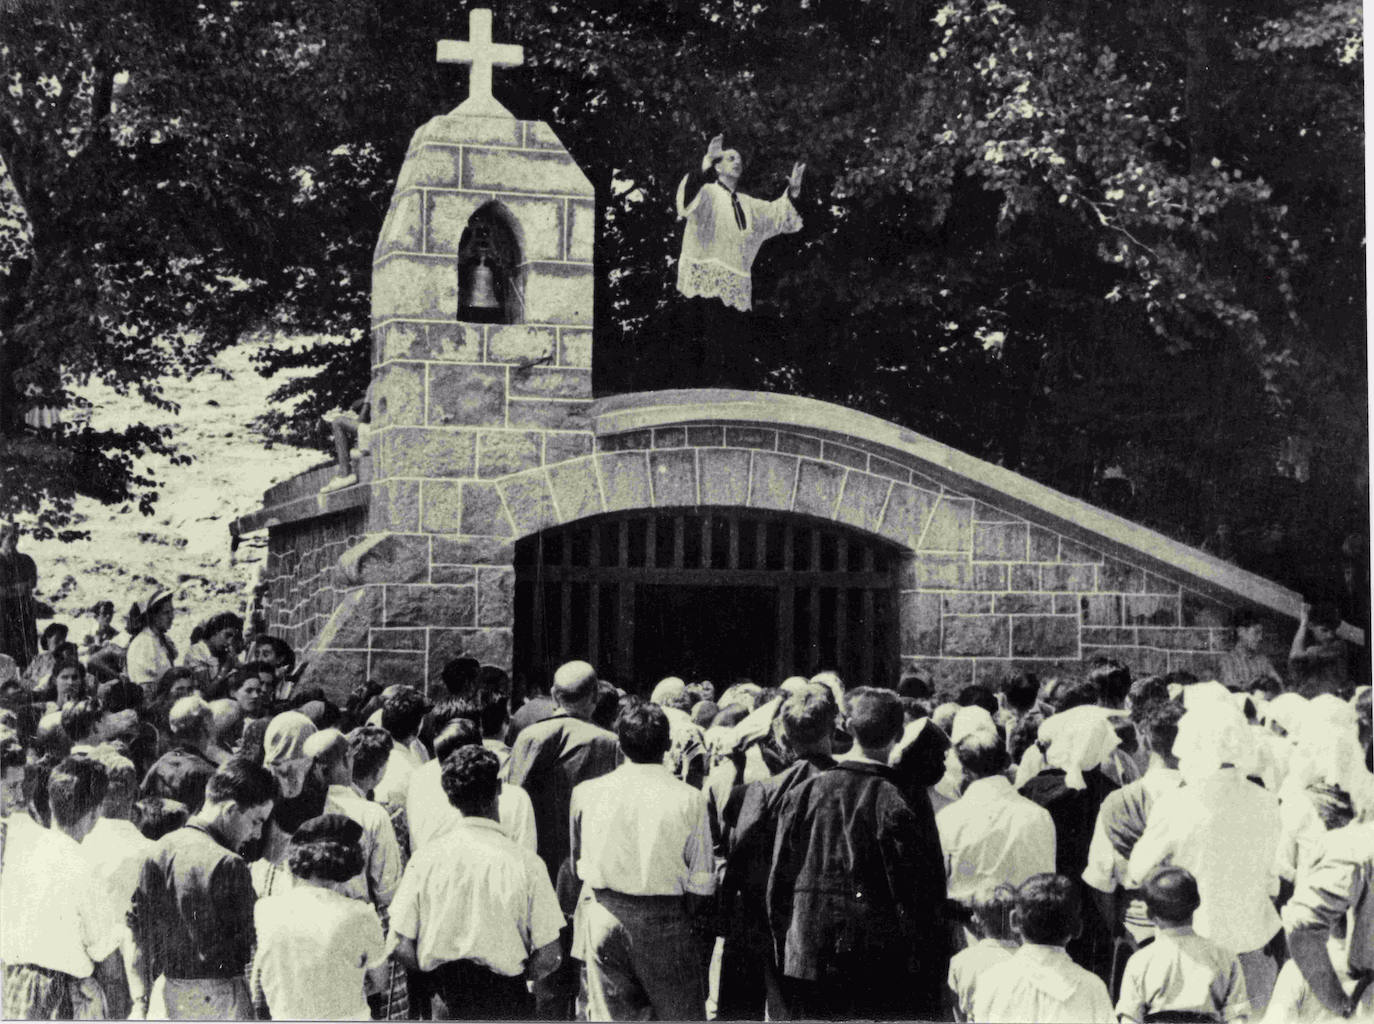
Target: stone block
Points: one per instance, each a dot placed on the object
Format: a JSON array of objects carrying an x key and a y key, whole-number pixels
[
  {"x": 1159, "y": 585},
  {"x": 908, "y": 510},
  {"x": 496, "y": 597},
  {"x": 415, "y": 605},
  {"x": 335, "y": 672},
  {"x": 985, "y": 513},
  {"x": 999, "y": 542},
  {"x": 395, "y": 506},
  {"x": 1202, "y": 611},
  {"x": 1025, "y": 577},
  {"x": 990, "y": 672},
  {"x": 975, "y": 635},
  {"x": 1203, "y": 665},
  {"x": 1043, "y": 545},
  {"x": 705, "y": 437},
  {"x": 947, "y": 675},
  {"x": 399, "y": 395},
  {"x": 452, "y": 343},
  {"x": 880, "y": 466},
  {"x": 750, "y": 437},
  {"x": 674, "y": 478},
  {"x": 575, "y": 347},
  {"x": 467, "y": 396},
  {"x": 465, "y": 128},
  {"x": 724, "y": 476},
  {"x": 539, "y": 226},
  {"x": 920, "y": 623},
  {"x": 1181, "y": 639},
  {"x": 490, "y": 645},
  {"x": 549, "y": 382},
  {"x": 798, "y": 444},
  {"x": 625, "y": 480},
  {"x": 670, "y": 437},
  {"x": 818, "y": 488},
  {"x": 397, "y": 668},
  {"x": 1024, "y": 604},
  {"x": 401, "y": 228},
  {"x": 529, "y": 500},
  {"x": 1072, "y": 551},
  {"x": 539, "y": 135},
  {"x": 1068, "y": 577},
  {"x": 349, "y": 622},
  {"x": 1150, "y": 610},
  {"x": 773, "y": 481},
  {"x": 631, "y": 440},
  {"x": 1140, "y": 660},
  {"x": 431, "y": 165},
  {"x": 420, "y": 452},
  {"x": 387, "y": 558},
  {"x": 448, "y": 212},
  {"x": 412, "y": 639},
  {"x": 844, "y": 455},
  {"x": 1044, "y": 636},
  {"x": 517, "y": 343},
  {"x": 967, "y": 604},
  {"x": 1120, "y": 577},
  {"x": 555, "y": 414},
  {"x": 441, "y": 503},
  {"x": 562, "y": 447},
  {"x": 950, "y": 527},
  {"x": 576, "y": 491},
  {"x": 472, "y": 551},
  {"x": 414, "y": 287},
  {"x": 581, "y": 240},
  {"x": 989, "y": 576},
  {"x": 1066, "y": 604},
  {"x": 1109, "y": 635},
  {"x": 504, "y": 452},
  {"x": 558, "y": 293},
  {"x": 503, "y": 170},
  {"x": 464, "y": 575},
  {"x": 1101, "y": 609},
  {"x": 483, "y": 512},
  {"x": 940, "y": 572},
  {"x": 862, "y": 500}
]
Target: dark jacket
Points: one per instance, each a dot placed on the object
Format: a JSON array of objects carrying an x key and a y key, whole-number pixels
[{"x": 857, "y": 889}]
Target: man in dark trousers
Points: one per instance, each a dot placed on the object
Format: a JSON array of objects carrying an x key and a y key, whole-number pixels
[
  {"x": 855, "y": 897},
  {"x": 548, "y": 759}
]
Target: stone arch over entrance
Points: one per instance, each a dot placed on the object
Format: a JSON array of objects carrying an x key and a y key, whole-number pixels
[{"x": 705, "y": 592}]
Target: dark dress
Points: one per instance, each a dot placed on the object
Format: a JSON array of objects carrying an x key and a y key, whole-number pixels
[
  {"x": 856, "y": 898},
  {"x": 18, "y": 611}
]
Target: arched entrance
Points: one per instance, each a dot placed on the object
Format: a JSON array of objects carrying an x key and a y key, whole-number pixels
[{"x": 718, "y": 593}]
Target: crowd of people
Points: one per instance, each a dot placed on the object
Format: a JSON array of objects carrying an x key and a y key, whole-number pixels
[{"x": 195, "y": 836}]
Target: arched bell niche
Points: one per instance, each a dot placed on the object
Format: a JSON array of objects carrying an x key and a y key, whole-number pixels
[{"x": 489, "y": 261}]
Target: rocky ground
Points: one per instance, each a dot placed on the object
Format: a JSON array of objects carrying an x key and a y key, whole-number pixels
[{"x": 184, "y": 545}]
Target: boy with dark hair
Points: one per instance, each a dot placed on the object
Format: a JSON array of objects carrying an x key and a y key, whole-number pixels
[
  {"x": 192, "y": 915},
  {"x": 156, "y": 816},
  {"x": 60, "y": 932},
  {"x": 1039, "y": 981},
  {"x": 429, "y": 812},
  {"x": 1244, "y": 664},
  {"x": 1179, "y": 973},
  {"x": 990, "y": 920},
  {"x": 856, "y": 894},
  {"x": 476, "y": 912},
  {"x": 1323, "y": 665},
  {"x": 403, "y": 712}
]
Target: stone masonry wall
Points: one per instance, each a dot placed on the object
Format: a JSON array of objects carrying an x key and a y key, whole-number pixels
[{"x": 302, "y": 573}]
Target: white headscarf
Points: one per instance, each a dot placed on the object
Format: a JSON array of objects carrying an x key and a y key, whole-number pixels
[
  {"x": 1075, "y": 741},
  {"x": 1328, "y": 751},
  {"x": 1211, "y": 734},
  {"x": 1288, "y": 710},
  {"x": 1195, "y": 693},
  {"x": 969, "y": 720}
]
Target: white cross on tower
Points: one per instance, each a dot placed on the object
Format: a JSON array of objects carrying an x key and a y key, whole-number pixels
[{"x": 483, "y": 55}]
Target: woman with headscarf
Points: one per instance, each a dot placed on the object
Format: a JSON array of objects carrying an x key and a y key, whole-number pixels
[
  {"x": 1063, "y": 774},
  {"x": 151, "y": 652},
  {"x": 302, "y": 795}
]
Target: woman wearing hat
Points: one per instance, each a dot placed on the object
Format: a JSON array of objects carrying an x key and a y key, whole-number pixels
[{"x": 151, "y": 653}]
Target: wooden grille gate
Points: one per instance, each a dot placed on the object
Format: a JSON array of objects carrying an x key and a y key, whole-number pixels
[{"x": 713, "y": 592}]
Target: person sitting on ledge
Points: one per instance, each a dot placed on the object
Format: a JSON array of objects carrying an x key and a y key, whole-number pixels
[{"x": 352, "y": 436}]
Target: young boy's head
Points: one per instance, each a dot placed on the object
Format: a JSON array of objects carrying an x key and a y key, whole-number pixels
[
  {"x": 1171, "y": 897},
  {"x": 1047, "y": 910},
  {"x": 992, "y": 907}
]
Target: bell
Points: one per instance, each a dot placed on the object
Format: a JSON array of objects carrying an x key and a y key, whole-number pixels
[{"x": 481, "y": 291}]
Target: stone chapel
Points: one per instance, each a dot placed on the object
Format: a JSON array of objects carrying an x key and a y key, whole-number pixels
[{"x": 508, "y": 513}]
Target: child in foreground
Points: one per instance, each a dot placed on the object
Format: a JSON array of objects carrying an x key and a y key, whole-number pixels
[{"x": 996, "y": 942}]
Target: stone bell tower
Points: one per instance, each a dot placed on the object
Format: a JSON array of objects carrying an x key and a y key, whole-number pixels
[{"x": 481, "y": 367}]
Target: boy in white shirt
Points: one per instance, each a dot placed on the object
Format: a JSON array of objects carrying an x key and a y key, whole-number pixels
[
  {"x": 1039, "y": 981},
  {"x": 991, "y": 911},
  {"x": 1180, "y": 972}
]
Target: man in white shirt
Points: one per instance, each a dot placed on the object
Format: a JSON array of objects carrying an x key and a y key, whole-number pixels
[
  {"x": 401, "y": 716},
  {"x": 1223, "y": 829},
  {"x": 991, "y": 834},
  {"x": 59, "y": 930},
  {"x": 474, "y": 910},
  {"x": 429, "y": 811},
  {"x": 641, "y": 842},
  {"x": 1039, "y": 981}
]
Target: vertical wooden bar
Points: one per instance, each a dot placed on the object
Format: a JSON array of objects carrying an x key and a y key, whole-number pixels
[
  {"x": 733, "y": 524},
  {"x": 785, "y": 658},
  {"x": 679, "y": 540},
  {"x": 788, "y": 539},
  {"x": 761, "y": 544},
  {"x": 651, "y": 543},
  {"x": 869, "y": 640},
  {"x": 813, "y": 627},
  {"x": 623, "y": 555},
  {"x": 594, "y": 601},
  {"x": 706, "y": 541},
  {"x": 625, "y": 639},
  {"x": 565, "y": 619},
  {"x": 841, "y": 627}
]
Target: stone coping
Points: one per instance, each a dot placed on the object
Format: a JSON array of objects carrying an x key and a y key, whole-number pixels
[
  {"x": 993, "y": 484},
  {"x": 299, "y": 497}
]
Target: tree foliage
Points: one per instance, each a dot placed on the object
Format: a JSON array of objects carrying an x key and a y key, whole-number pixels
[{"x": 1060, "y": 236}]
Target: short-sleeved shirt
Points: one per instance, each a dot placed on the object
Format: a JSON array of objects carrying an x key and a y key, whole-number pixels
[
  {"x": 1323, "y": 668},
  {"x": 180, "y": 774},
  {"x": 314, "y": 948},
  {"x": 381, "y": 852},
  {"x": 967, "y": 965},
  {"x": 1041, "y": 983},
  {"x": 1339, "y": 886},
  {"x": 55, "y": 913},
  {"x": 474, "y": 894},
  {"x": 429, "y": 812},
  {"x": 1181, "y": 972},
  {"x": 193, "y": 909},
  {"x": 992, "y": 835},
  {"x": 116, "y": 849}
]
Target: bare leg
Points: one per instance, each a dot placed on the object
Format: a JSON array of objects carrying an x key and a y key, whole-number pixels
[{"x": 344, "y": 434}]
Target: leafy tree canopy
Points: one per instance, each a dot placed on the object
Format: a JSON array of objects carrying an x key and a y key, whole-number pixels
[{"x": 1062, "y": 236}]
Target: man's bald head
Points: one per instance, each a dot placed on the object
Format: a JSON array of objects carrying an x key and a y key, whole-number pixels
[{"x": 575, "y": 684}]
